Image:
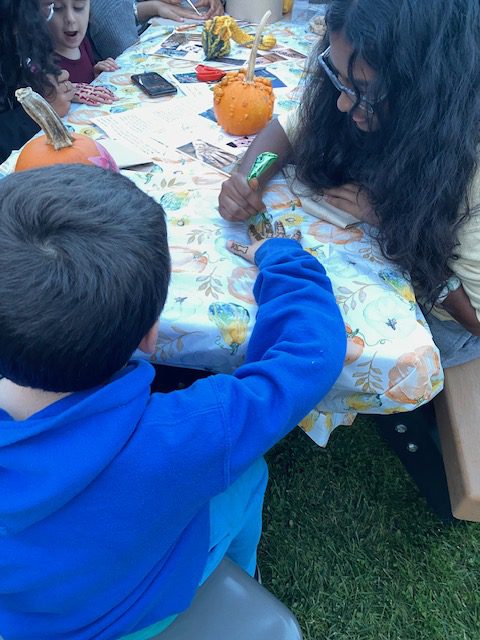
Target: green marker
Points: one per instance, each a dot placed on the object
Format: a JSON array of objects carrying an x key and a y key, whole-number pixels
[{"x": 263, "y": 162}]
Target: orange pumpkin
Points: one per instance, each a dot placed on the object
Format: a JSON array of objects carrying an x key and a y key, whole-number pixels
[
  {"x": 186, "y": 260},
  {"x": 240, "y": 283},
  {"x": 57, "y": 145},
  {"x": 329, "y": 233},
  {"x": 241, "y": 107},
  {"x": 355, "y": 345},
  {"x": 243, "y": 104}
]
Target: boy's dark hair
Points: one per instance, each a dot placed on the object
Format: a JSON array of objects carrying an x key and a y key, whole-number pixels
[{"x": 84, "y": 273}]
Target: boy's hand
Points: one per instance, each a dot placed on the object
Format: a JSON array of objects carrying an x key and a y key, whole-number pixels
[
  {"x": 257, "y": 239},
  {"x": 108, "y": 64}
]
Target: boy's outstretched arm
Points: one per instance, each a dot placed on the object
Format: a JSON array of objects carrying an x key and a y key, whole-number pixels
[
  {"x": 220, "y": 425},
  {"x": 294, "y": 356}
]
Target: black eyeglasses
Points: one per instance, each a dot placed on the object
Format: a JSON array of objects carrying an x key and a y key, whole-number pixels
[{"x": 361, "y": 101}]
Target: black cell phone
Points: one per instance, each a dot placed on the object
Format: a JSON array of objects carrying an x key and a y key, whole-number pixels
[{"x": 153, "y": 84}]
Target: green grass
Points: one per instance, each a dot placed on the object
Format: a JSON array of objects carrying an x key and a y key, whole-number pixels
[{"x": 351, "y": 547}]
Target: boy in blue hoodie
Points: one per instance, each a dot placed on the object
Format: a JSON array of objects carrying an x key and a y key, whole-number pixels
[{"x": 115, "y": 503}]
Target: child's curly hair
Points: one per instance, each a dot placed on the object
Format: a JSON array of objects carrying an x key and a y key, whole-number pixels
[
  {"x": 417, "y": 167},
  {"x": 26, "y": 50}
]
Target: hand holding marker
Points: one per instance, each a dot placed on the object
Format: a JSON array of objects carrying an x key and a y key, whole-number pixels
[{"x": 263, "y": 162}]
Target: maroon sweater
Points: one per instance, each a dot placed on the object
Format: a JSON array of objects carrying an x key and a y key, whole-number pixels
[{"x": 80, "y": 70}]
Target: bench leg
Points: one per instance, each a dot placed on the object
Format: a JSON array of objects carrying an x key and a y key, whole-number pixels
[{"x": 413, "y": 436}]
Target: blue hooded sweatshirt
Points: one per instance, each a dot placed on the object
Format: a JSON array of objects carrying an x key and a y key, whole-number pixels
[{"x": 104, "y": 494}]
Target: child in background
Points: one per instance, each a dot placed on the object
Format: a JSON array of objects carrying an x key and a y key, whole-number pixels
[
  {"x": 27, "y": 60},
  {"x": 68, "y": 28},
  {"x": 115, "y": 503}
]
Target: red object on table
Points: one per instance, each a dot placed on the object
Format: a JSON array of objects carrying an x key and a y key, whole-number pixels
[{"x": 208, "y": 74}]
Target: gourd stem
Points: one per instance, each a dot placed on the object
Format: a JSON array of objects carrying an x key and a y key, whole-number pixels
[
  {"x": 46, "y": 118},
  {"x": 253, "y": 53}
]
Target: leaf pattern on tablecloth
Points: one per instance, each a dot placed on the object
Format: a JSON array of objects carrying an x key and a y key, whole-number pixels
[{"x": 391, "y": 363}]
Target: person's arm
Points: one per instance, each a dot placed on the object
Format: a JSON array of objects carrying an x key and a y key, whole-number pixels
[
  {"x": 214, "y": 8},
  {"x": 169, "y": 9},
  {"x": 112, "y": 26},
  {"x": 238, "y": 200},
  {"x": 459, "y": 307},
  {"x": 462, "y": 301},
  {"x": 107, "y": 65},
  {"x": 295, "y": 354}
]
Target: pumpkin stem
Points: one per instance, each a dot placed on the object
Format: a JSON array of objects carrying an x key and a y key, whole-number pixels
[
  {"x": 46, "y": 118},
  {"x": 253, "y": 53}
]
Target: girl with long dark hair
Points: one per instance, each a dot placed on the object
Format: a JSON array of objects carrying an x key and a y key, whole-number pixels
[
  {"x": 389, "y": 130},
  {"x": 26, "y": 59}
]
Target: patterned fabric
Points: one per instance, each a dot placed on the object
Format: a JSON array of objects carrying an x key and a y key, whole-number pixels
[{"x": 392, "y": 363}]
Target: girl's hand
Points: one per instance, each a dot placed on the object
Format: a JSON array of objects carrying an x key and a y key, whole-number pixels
[
  {"x": 257, "y": 239},
  {"x": 60, "y": 98},
  {"x": 172, "y": 10},
  {"x": 215, "y": 8},
  {"x": 89, "y": 94},
  {"x": 239, "y": 200},
  {"x": 352, "y": 199},
  {"x": 105, "y": 65}
]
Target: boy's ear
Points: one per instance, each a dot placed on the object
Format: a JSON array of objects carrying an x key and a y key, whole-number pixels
[{"x": 149, "y": 340}]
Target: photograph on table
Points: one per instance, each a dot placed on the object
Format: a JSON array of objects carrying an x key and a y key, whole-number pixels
[
  {"x": 181, "y": 45},
  {"x": 269, "y": 58},
  {"x": 290, "y": 53},
  {"x": 243, "y": 141},
  {"x": 216, "y": 157},
  {"x": 235, "y": 62},
  {"x": 278, "y": 55},
  {"x": 186, "y": 78},
  {"x": 276, "y": 82},
  {"x": 209, "y": 114}
]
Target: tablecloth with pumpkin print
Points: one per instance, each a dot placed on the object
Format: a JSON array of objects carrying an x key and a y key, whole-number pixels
[{"x": 392, "y": 363}]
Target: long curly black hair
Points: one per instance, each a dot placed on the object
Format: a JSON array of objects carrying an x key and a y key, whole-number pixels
[
  {"x": 418, "y": 164},
  {"x": 26, "y": 50}
]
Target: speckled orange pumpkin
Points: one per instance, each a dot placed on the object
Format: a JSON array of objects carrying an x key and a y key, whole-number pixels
[
  {"x": 243, "y": 108},
  {"x": 243, "y": 104},
  {"x": 57, "y": 145}
]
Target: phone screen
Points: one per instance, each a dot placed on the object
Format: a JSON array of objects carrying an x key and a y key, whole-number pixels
[{"x": 154, "y": 84}]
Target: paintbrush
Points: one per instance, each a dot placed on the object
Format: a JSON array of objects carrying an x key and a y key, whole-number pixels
[{"x": 194, "y": 7}]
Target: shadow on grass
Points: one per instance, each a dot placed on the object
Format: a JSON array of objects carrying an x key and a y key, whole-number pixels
[{"x": 352, "y": 548}]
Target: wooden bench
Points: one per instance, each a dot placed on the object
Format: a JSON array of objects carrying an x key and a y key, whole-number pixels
[
  {"x": 449, "y": 477},
  {"x": 457, "y": 411},
  {"x": 439, "y": 444}
]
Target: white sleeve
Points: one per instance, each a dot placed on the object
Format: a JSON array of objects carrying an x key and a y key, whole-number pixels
[{"x": 289, "y": 122}]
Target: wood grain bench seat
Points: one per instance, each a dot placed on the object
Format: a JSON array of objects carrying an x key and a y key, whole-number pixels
[{"x": 457, "y": 411}]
